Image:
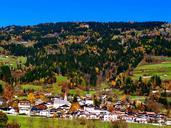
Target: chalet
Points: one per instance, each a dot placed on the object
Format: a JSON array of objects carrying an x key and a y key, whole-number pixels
[
  {"x": 95, "y": 111},
  {"x": 40, "y": 110},
  {"x": 35, "y": 111},
  {"x": 168, "y": 122},
  {"x": 45, "y": 113},
  {"x": 12, "y": 111},
  {"x": 129, "y": 118},
  {"x": 93, "y": 116},
  {"x": 141, "y": 119},
  {"x": 24, "y": 107},
  {"x": 151, "y": 114},
  {"x": 9, "y": 110},
  {"x": 89, "y": 102},
  {"x": 110, "y": 117},
  {"x": 58, "y": 102}
]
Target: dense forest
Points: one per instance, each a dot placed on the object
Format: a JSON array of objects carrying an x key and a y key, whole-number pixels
[{"x": 92, "y": 52}]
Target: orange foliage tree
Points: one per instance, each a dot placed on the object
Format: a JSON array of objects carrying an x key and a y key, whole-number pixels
[{"x": 8, "y": 92}]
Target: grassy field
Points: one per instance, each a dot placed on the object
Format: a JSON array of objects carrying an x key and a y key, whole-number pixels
[
  {"x": 35, "y": 122},
  {"x": 162, "y": 69},
  {"x": 12, "y": 60},
  {"x": 81, "y": 92},
  {"x": 31, "y": 87},
  {"x": 135, "y": 125},
  {"x": 140, "y": 98},
  {"x": 30, "y": 122},
  {"x": 60, "y": 79}
]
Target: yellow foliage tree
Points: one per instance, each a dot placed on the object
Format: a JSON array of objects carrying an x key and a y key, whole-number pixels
[{"x": 31, "y": 97}]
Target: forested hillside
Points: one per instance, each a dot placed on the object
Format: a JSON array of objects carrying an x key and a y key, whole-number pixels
[{"x": 84, "y": 52}]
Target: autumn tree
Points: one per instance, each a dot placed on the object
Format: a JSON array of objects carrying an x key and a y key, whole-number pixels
[
  {"x": 8, "y": 92},
  {"x": 153, "y": 105},
  {"x": 75, "y": 106},
  {"x": 13, "y": 124},
  {"x": 96, "y": 101},
  {"x": 3, "y": 120},
  {"x": 31, "y": 97}
]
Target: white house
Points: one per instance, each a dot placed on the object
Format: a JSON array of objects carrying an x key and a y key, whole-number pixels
[
  {"x": 95, "y": 111},
  {"x": 9, "y": 110},
  {"x": 129, "y": 118},
  {"x": 45, "y": 113},
  {"x": 93, "y": 116},
  {"x": 110, "y": 117},
  {"x": 168, "y": 122},
  {"x": 60, "y": 102},
  {"x": 142, "y": 120},
  {"x": 89, "y": 102},
  {"x": 24, "y": 107},
  {"x": 12, "y": 111}
]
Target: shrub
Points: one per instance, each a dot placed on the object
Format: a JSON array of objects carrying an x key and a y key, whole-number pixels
[
  {"x": 3, "y": 119},
  {"x": 82, "y": 121},
  {"x": 118, "y": 124},
  {"x": 13, "y": 125},
  {"x": 152, "y": 105}
]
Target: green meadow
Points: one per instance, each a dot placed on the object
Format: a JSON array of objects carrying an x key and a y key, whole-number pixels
[
  {"x": 12, "y": 60},
  {"x": 37, "y": 122},
  {"x": 162, "y": 69}
]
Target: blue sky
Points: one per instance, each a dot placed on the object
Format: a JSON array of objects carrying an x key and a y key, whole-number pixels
[{"x": 29, "y": 12}]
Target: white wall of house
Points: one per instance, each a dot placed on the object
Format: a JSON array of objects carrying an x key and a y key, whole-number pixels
[
  {"x": 45, "y": 113},
  {"x": 141, "y": 120},
  {"x": 24, "y": 111},
  {"x": 89, "y": 102},
  {"x": 59, "y": 102},
  {"x": 1, "y": 102},
  {"x": 12, "y": 111},
  {"x": 24, "y": 108},
  {"x": 95, "y": 111},
  {"x": 168, "y": 123},
  {"x": 109, "y": 117}
]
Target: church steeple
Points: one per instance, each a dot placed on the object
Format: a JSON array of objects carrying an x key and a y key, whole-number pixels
[{"x": 65, "y": 96}]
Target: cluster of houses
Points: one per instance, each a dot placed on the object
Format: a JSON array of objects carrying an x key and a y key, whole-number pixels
[{"x": 58, "y": 107}]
